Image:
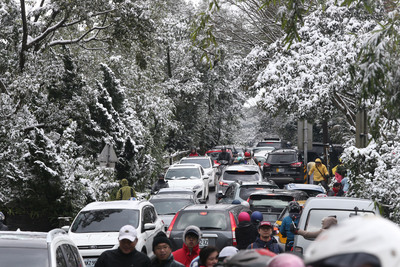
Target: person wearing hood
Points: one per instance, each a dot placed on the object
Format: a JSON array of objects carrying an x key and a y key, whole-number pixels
[
  {"x": 163, "y": 252},
  {"x": 3, "y": 227},
  {"x": 190, "y": 249},
  {"x": 126, "y": 191},
  {"x": 326, "y": 222},
  {"x": 245, "y": 232},
  {"x": 266, "y": 240},
  {"x": 161, "y": 183}
]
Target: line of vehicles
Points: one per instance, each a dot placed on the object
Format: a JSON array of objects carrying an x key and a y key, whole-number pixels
[{"x": 95, "y": 228}]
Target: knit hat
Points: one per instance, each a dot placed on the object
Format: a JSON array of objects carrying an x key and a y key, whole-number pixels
[{"x": 161, "y": 237}]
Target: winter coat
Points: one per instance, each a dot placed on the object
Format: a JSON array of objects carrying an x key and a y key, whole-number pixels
[
  {"x": 318, "y": 172},
  {"x": 326, "y": 224},
  {"x": 116, "y": 257},
  {"x": 246, "y": 233},
  {"x": 224, "y": 156},
  {"x": 161, "y": 183},
  {"x": 185, "y": 256},
  {"x": 170, "y": 262},
  {"x": 125, "y": 192},
  {"x": 271, "y": 245},
  {"x": 195, "y": 154},
  {"x": 3, "y": 227},
  {"x": 285, "y": 227}
]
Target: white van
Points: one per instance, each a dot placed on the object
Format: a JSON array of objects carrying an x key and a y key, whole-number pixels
[{"x": 317, "y": 208}]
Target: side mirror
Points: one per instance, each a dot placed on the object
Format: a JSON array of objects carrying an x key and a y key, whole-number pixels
[
  {"x": 205, "y": 178},
  {"x": 65, "y": 228},
  {"x": 149, "y": 226}
]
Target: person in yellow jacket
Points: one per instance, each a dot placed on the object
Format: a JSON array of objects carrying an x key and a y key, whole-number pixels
[
  {"x": 320, "y": 174},
  {"x": 126, "y": 191}
]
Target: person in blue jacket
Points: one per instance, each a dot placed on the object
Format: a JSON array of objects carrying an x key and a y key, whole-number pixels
[
  {"x": 266, "y": 240},
  {"x": 291, "y": 219}
]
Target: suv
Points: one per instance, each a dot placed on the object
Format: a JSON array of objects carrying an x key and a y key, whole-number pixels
[
  {"x": 241, "y": 190},
  {"x": 217, "y": 224},
  {"x": 208, "y": 165},
  {"x": 275, "y": 142},
  {"x": 54, "y": 248},
  {"x": 96, "y": 227},
  {"x": 312, "y": 190},
  {"x": 189, "y": 176},
  {"x": 241, "y": 172},
  {"x": 285, "y": 166},
  {"x": 316, "y": 208}
]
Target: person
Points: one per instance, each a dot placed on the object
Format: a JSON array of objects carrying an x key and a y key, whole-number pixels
[
  {"x": 336, "y": 190},
  {"x": 3, "y": 227},
  {"x": 326, "y": 222},
  {"x": 208, "y": 256},
  {"x": 351, "y": 243},
  {"x": 256, "y": 217},
  {"x": 193, "y": 152},
  {"x": 286, "y": 260},
  {"x": 266, "y": 240},
  {"x": 163, "y": 252},
  {"x": 247, "y": 258},
  {"x": 245, "y": 232},
  {"x": 226, "y": 252},
  {"x": 125, "y": 255},
  {"x": 161, "y": 183},
  {"x": 190, "y": 249},
  {"x": 320, "y": 173},
  {"x": 126, "y": 192},
  {"x": 224, "y": 155},
  {"x": 309, "y": 167},
  {"x": 293, "y": 218}
]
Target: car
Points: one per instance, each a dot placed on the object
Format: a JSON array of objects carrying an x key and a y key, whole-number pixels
[
  {"x": 208, "y": 165},
  {"x": 45, "y": 249},
  {"x": 275, "y": 142},
  {"x": 174, "y": 191},
  {"x": 217, "y": 223},
  {"x": 285, "y": 166},
  {"x": 241, "y": 190},
  {"x": 189, "y": 176},
  {"x": 241, "y": 172},
  {"x": 96, "y": 226},
  {"x": 271, "y": 202},
  {"x": 262, "y": 151},
  {"x": 259, "y": 160},
  {"x": 312, "y": 190},
  {"x": 167, "y": 205},
  {"x": 316, "y": 208}
]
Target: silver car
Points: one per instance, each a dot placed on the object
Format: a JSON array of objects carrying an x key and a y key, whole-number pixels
[{"x": 240, "y": 172}]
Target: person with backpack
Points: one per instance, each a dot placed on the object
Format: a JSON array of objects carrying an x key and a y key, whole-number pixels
[
  {"x": 291, "y": 219},
  {"x": 126, "y": 192},
  {"x": 321, "y": 174}
]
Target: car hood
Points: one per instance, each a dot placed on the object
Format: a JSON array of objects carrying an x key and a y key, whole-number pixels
[
  {"x": 82, "y": 239},
  {"x": 184, "y": 183}
]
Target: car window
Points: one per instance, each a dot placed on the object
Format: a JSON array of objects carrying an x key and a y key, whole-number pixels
[
  {"x": 262, "y": 203},
  {"x": 12, "y": 256},
  {"x": 182, "y": 172},
  {"x": 205, "y": 163},
  {"x": 271, "y": 144},
  {"x": 147, "y": 218},
  {"x": 281, "y": 158},
  {"x": 230, "y": 192},
  {"x": 241, "y": 176},
  {"x": 202, "y": 219},
  {"x": 60, "y": 258},
  {"x": 170, "y": 206},
  {"x": 108, "y": 220},
  {"x": 263, "y": 149},
  {"x": 71, "y": 256},
  {"x": 315, "y": 216},
  {"x": 245, "y": 191}
]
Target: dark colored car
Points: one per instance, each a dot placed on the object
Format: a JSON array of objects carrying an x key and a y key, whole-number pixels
[
  {"x": 242, "y": 190},
  {"x": 217, "y": 223},
  {"x": 285, "y": 166},
  {"x": 167, "y": 205},
  {"x": 271, "y": 202}
]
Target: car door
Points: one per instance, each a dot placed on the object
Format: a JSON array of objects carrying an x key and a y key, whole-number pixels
[{"x": 150, "y": 216}]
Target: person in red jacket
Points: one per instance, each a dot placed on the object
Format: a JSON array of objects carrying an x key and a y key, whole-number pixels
[
  {"x": 190, "y": 248},
  {"x": 193, "y": 152}
]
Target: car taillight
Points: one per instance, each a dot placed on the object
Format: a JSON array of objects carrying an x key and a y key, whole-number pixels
[
  {"x": 222, "y": 183},
  {"x": 233, "y": 227},
  {"x": 171, "y": 225},
  {"x": 296, "y": 164},
  {"x": 267, "y": 164}
]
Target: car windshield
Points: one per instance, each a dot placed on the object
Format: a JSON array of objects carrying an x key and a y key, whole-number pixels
[
  {"x": 213, "y": 155},
  {"x": 245, "y": 191},
  {"x": 35, "y": 257},
  {"x": 180, "y": 173},
  {"x": 211, "y": 220},
  {"x": 272, "y": 144},
  {"x": 170, "y": 206},
  {"x": 205, "y": 163},
  {"x": 241, "y": 176},
  {"x": 265, "y": 149},
  {"x": 108, "y": 220},
  {"x": 263, "y": 203},
  {"x": 281, "y": 158}
]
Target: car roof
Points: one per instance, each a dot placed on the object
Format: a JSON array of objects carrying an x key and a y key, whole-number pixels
[
  {"x": 31, "y": 239},
  {"x": 173, "y": 196},
  {"x": 196, "y": 157},
  {"x": 244, "y": 167},
  {"x": 244, "y": 183},
  {"x": 340, "y": 202},
  {"x": 163, "y": 191},
  {"x": 282, "y": 192},
  {"x": 283, "y": 150},
  {"x": 213, "y": 207},
  {"x": 185, "y": 165},
  {"x": 293, "y": 186},
  {"x": 118, "y": 204}
]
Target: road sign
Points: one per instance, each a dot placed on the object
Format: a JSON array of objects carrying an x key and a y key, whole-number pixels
[{"x": 108, "y": 157}]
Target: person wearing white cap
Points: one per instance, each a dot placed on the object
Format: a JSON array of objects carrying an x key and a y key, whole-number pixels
[{"x": 125, "y": 255}]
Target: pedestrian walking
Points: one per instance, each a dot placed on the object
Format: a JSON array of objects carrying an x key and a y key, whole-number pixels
[{"x": 126, "y": 192}]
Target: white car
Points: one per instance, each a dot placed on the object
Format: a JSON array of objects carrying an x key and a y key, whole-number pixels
[
  {"x": 189, "y": 176},
  {"x": 96, "y": 227},
  {"x": 208, "y": 165}
]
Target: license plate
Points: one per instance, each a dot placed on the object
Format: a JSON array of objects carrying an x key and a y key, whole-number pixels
[
  {"x": 280, "y": 170},
  {"x": 203, "y": 242},
  {"x": 90, "y": 261}
]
